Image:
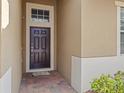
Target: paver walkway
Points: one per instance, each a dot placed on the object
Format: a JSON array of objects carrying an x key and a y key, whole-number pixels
[{"x": 53, "y": 83}]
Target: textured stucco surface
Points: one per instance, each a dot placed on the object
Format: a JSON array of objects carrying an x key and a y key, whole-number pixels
[
  {"x": 69, "y": 34},
  {"x": 99, "y": 28},
  {"x": 11, "y": 44}
]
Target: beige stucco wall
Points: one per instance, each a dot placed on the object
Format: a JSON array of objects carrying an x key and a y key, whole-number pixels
[
  {"x": 0, "y": 38},
  {"x": 99, "y": 28},
  {"x": 46, "y": 2},
  {"x": 69, "y": 34},
  {"x": 11, "y": 44}
]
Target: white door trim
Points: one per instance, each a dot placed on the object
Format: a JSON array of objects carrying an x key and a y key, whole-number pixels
[
  {"x": 118, "y": 31},
  {"x": 29, "y": 23}
]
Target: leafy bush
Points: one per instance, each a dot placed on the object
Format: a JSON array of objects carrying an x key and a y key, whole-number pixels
[{"x": 109, "y": 84}]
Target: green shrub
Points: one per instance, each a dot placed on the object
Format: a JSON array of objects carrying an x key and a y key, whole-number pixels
[{"x": 109, "y": 84}]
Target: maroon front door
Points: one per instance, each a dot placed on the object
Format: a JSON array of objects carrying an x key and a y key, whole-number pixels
[{"x": 39, "y": 47}]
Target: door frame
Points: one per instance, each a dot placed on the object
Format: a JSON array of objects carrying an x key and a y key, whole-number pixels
[{"x": 30, "y": 23}]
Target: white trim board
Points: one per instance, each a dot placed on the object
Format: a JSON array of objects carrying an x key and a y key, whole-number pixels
[
  {"x": 5, "y": 82},
  {"x": 89, "y": 68},
  {"x": 29, "y": 23},
  {"x": 94, "y": 67},
  {"x": 76, "y": 74},
  {"x": 119, "y": 3}
]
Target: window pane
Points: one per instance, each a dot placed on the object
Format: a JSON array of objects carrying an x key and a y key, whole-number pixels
[
  {"x": 122, "y": 19},
  {"x": 46, "y": 13},
  {"x": 34, "y": 11},
  {"x": 122, "y": 13},
  {"x": 122, "y": 28},
  {"x": 34, "y": 18},
  {"x": 46, "y": 19},
  {"x": 122, "y": 42},
  {"x": 40, "y": 12},
  {"x": 122, "y": 24},
  {"x": 40, "y": 18}
]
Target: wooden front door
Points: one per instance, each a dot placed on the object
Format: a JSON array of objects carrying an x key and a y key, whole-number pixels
[{"x": 39, "y": 47}]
